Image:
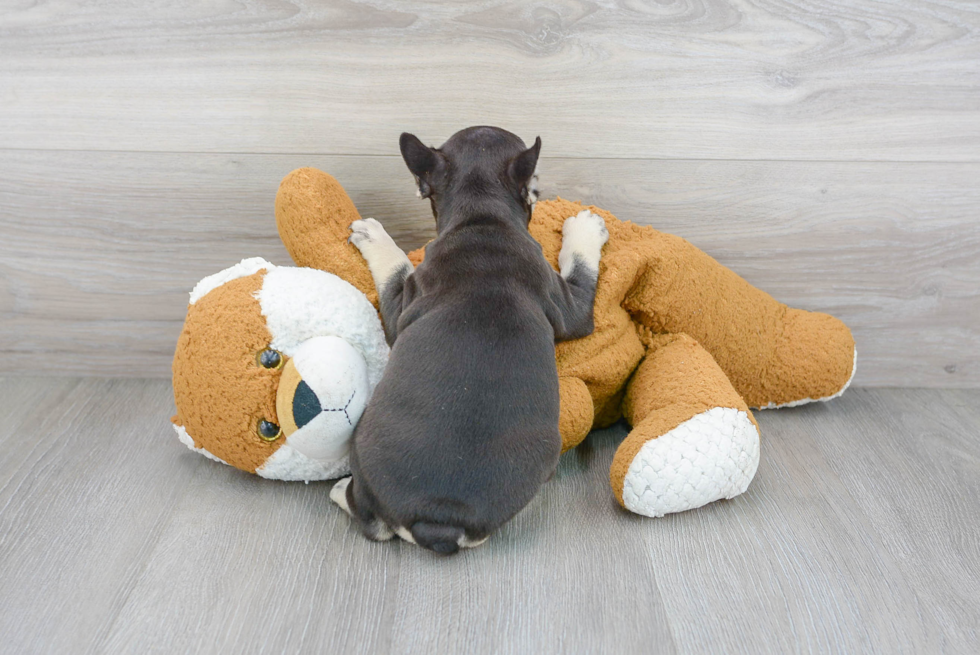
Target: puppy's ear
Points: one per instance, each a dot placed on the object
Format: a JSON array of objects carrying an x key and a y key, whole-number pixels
[
  {"x": 424, "y": 162},
  {"x": 521, "y": 171}
]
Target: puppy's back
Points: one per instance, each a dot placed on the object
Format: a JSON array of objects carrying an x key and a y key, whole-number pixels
[{"x": 463, "y": 428}]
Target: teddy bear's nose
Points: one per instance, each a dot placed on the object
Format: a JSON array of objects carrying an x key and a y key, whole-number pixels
[
  {"x": 306, "y": 406},
  {"x": 322, "y": 392}
]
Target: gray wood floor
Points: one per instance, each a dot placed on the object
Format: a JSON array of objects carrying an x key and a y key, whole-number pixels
[
  {"x": 861, "y": 533},
  {"x": 828, "y": 151}
]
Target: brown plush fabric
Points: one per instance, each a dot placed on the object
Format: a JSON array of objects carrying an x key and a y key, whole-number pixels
[
  {"x": 653, "y": 289},
  {"x": 288, "y": 382},
  {"x": 313, "y": 211},
  {"x": 662, "y": 284},
  {"x": 575, "y": 421},
  {"x": 220, "y": 391}
]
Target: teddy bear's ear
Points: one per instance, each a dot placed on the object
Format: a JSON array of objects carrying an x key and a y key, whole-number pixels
[
  {"x": 188, "y": 441},
  {"x": 244, "y": 268}
]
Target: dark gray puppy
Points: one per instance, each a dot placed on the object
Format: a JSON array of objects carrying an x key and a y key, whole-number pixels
[{"x": 463, "y": 428}]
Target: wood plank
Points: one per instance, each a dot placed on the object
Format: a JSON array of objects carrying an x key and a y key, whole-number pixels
[
  {"x": 21, "y": 396},
  {"x": 717, "y": 79},
  {"x": 25, "y": 402},
  {"x": 251, "y": 565},
  {"x": 290, "y": 574},
  {"x": 876, "y": 442},
  {"x": 86, "y": 488},
  {"x": 569, "y": 574},
  {"x": 101, "y": 249},
  {"x": 852, "y": 538},
  {"x": 792, "y": 565}
]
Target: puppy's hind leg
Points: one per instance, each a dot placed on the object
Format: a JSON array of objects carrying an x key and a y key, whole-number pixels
[
  {"x": 373, "y": 528},
  {"x": 338, "y": 494}
]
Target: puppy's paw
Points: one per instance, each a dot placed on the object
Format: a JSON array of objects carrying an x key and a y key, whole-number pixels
[
  {"x": 338, "y": 493},
  {"x": 384, "y": 258},
  {"x": 376, "y": 530},
  {"x": 585, "y": 225},
  {"x": 583, "y": 236},
  {"x": 367, "y": 233}
]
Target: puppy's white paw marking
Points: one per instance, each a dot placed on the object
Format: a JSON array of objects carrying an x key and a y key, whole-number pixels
[
  {"x": 464, "y": 542},
  {"x": 383, "y": 257},
  {"x": 583, "y": 236},
  {"x": 379, "y": 531},
  {"x": 405, "y": 534},
  {"x": 339, "y": 494}
]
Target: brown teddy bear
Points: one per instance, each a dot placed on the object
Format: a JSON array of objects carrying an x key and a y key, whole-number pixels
[
  {"x": 682, "y": 347},
  {"x": 273, "y": 368}
]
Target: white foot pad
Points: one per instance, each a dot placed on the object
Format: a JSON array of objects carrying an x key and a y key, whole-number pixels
[{"x": 711, "y": 456}]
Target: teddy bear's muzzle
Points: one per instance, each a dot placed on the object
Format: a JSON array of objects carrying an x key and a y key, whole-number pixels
[{"x": 322, "y": 393}]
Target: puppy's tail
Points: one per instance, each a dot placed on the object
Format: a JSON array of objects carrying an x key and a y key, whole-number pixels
[{"x": 443, "y": 539}]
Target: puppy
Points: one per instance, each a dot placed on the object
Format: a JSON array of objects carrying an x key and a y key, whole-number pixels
[{"x": 463, "y": 428}]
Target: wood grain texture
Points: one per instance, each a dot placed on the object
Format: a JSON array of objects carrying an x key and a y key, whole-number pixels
[
  {"x": 101, "y": 249},
  {"x": 859, "y": 534},
  {"x": 255, "y": 566},
  {"x": 84, "y": 492},
  {"x": 703, "y": 79},
  {"x": 875, "y": 443},
  {"x": 803, "y": 560}
]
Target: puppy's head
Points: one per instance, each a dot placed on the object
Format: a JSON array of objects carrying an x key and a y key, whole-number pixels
[{"x": 479, "y": 167}]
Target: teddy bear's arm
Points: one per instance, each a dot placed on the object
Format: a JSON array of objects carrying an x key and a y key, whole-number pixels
[
  {"x": 693, "y": 440},
  {"x": 313, "y": 215}
]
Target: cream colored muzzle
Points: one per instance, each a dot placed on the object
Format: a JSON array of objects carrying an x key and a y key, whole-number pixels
[{"x": 322, "y": 393}]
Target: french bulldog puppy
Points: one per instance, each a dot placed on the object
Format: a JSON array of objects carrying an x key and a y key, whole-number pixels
[{"x": 462, "y": 430}]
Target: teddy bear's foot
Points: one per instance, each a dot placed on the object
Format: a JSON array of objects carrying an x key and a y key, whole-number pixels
[
  {"x": 712, "y": 455},
  {"x": 694, "y": 440}
]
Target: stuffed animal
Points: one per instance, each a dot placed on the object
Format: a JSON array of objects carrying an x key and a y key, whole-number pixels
[
  {"x": 682, "y": 348},
  {"x": 274, "y": 367}
]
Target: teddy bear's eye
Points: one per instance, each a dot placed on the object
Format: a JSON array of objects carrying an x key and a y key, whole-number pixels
[
  {"x": 268, "y": 431},
  {"x": 270, "y": 358}
]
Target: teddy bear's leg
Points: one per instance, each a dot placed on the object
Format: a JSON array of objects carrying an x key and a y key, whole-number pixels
[
  {"x": 693, "y": 441},
  {"x": 774, "y": 355},
  {"x": 577, "y": 412}
]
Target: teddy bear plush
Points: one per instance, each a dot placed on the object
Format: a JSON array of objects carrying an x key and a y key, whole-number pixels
[
  {"x": 273, "y": 368},
  {"x": 682, "y": 347}
]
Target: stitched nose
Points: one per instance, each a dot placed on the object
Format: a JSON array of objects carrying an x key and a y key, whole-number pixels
[{"x": 306, "y": 406}]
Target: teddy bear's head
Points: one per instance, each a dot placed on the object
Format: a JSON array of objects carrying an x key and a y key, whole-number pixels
[{"x": 273, "y": 369}]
